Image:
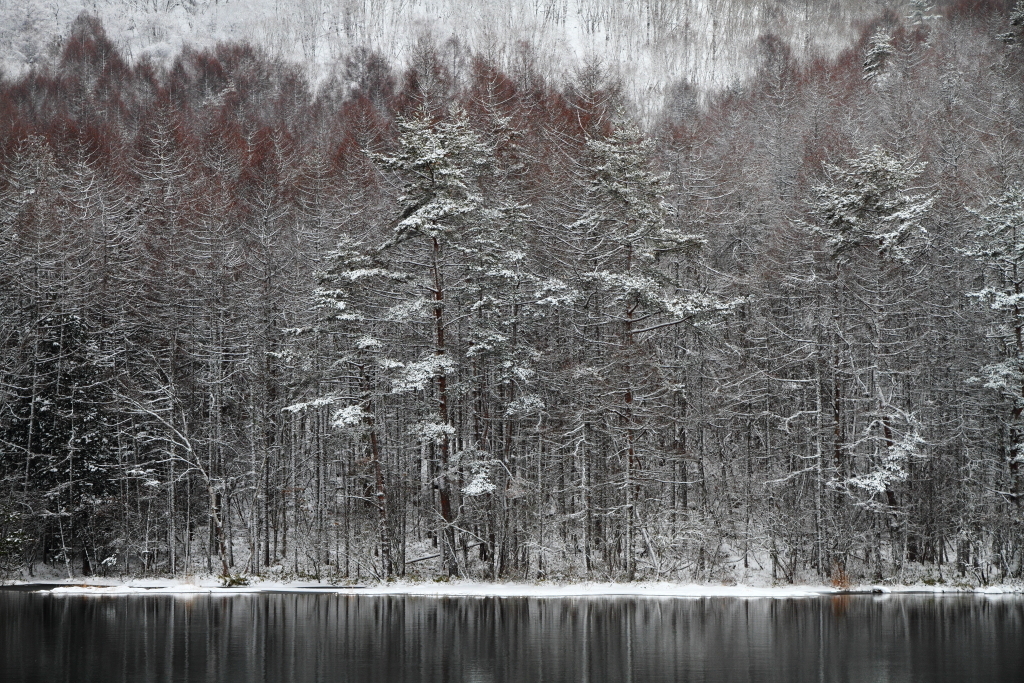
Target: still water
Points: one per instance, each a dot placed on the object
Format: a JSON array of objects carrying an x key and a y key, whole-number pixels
[{"x": 280, "y": 638}]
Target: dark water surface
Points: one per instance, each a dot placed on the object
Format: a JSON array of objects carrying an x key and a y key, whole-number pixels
[{"x": 280, "y": 638}]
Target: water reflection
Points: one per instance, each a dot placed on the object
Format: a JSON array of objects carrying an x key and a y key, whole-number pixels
[{"x": 302, "y": 637}]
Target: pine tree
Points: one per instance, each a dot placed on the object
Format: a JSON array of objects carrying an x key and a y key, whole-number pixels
[
  {"x": 868, "y": 202},
  {"x": 624, "y": 242},
  {"x": 1000, "y": 250},
  {"x": 874, "y": 229},
  {"x": 879, "y": 50},
  {"x": 383, "y": 301},
  {"x": 60, "y": 436}
]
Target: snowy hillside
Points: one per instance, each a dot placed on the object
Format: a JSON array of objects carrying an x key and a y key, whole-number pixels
[{"x": 649, "y": 43}]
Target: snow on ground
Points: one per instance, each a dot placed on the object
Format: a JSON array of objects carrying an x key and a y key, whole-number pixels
[
  {"x": 532, "y": 590},
  {"x": 649, "y": 44}
]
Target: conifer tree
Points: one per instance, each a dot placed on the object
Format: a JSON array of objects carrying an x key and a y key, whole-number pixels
[
  {"x": 874, "y": 229},
  {"x": 1000, "y": 250}
]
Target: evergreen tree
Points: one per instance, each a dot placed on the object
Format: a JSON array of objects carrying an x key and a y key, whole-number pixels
[
  {"x": 874, "y": 231},
  {"x": 60, "y": 438},
  {"x": 1000, "y": 250}
]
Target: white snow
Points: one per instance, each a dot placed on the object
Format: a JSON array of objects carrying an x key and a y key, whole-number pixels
[
  {"x": 526, "y": 590},
  {"x": 649, "y": 44}
]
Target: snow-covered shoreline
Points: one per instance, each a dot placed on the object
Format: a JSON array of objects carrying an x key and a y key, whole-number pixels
[{"x": 507, "y": 590}]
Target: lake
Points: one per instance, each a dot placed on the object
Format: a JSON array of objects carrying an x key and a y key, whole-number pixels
[{"x": 302, "y": 637}]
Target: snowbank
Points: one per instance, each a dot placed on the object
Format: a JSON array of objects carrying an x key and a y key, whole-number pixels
[{"x": 474, "y": 589}]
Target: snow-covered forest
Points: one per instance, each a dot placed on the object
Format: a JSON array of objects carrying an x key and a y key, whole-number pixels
[
  {"x": 649, "y": 43},
  {"x": 455, "y": 309}
]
